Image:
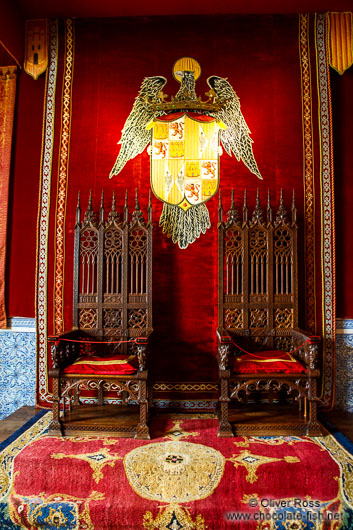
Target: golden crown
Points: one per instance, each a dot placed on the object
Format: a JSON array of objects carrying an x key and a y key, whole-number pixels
[{"x": 213, "y": 103}]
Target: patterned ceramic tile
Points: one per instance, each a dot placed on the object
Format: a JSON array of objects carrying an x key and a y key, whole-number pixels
[
  {"x": 344, "y": 365},
  {"x": 17, "y": 365}
]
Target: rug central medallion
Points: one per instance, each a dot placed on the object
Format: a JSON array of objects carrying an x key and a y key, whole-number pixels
[{"x": 174, "y": 471}]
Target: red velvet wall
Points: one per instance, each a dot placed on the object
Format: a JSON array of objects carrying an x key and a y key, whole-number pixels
[
  {"x": 109, "y": 66},
  {"x": 259, "y": 55},
  {"x": 11, "y": 32},
  {"x": 24, "y": 187}
]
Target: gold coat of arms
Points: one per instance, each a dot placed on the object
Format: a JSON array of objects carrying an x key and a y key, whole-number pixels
[
  {"x": 184, "y": 159},
  {"x": 184, "y": 136}
]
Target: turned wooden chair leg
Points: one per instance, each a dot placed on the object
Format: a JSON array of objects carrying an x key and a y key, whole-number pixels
[
  {"x": 100, "y": 394},
  {"x": 55, "y": 425},
  {"x": 224, "y": 428},
  {"x": 76, "y": 401},
  {"x": 64, "y": 407},
  {"x": 142, "y": 431},
  {"x": 270, "y": 396},
  {"x": 150, "y": 397}
]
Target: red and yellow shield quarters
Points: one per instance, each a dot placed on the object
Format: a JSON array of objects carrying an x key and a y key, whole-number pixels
[{"x": 184, "y": 158}]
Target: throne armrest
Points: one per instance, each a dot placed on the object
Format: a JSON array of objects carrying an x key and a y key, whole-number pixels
[
  {"x": 64, "y": 349},
  {"x": 142, "y": 343},
  {"x": 224, "y": 348},
  {"x": 309, "y": 352}
]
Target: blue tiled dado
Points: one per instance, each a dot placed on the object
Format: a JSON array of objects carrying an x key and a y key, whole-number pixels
[
  {"x": 17, "y": 365},
  {"x": 344, "y": 365}
]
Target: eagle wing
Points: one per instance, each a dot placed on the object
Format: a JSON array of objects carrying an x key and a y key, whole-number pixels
[
  {"x": 236, "y": 137},
  {"x": 135, "y": 137}
]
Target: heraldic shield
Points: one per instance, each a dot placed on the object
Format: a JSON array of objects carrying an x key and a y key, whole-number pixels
[{"x": 184, "y": 159}]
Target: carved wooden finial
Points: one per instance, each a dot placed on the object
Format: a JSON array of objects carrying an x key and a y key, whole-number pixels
[
  {"x": 89, "y": 214},
  {"x": 281, "y": 217},
  {"x": 78, "y": 209},
  {"x": 101, "y": 210},
  {"x": 257, "y": 216},
  {"x": 245, "y": 208},
  {"x": 113, "y": 214},
  {"x": 220, "y": 207},
  {"x": 232, "y": 214},
  {"x": 137, "y": 215},
  {"x": 269, "y": 209},
  {"x": 149, "y": 208},
  {"x": 126, "y": 208},
  {"x": 294, "y": 210}
]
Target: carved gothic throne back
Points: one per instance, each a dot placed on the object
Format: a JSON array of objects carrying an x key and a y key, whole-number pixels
[
  {"x": 258, "y": 275},
  {"x": 112, "y": 273}
]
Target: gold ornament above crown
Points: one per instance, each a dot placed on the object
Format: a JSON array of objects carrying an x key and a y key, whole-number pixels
[{"x": 186, "y": 98}]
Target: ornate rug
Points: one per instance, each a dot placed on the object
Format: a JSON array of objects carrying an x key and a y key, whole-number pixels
[{"x": 184, "y": 478}]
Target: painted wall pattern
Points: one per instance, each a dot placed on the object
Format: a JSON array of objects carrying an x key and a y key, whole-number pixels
[
  {"x": 18, "y": 370},
  {"x": 17, "y": 365}
]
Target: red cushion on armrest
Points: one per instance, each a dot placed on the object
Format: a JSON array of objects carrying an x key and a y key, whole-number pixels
[
  {"x": 267, "y": 362},
  {"x": 110, "y": 365}
]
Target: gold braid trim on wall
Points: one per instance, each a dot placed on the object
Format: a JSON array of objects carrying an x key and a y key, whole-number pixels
[
  {"x": 328, "y": 266},
  {"x": 43, "y": 214},
  {"x": 308, "y": 169},
  {"x": 63, "y": 176}
]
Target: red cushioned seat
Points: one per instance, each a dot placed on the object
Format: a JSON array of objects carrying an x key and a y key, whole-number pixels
[
  {"x": 112, "y": 365},
  {"x": 267, "y": 362}
]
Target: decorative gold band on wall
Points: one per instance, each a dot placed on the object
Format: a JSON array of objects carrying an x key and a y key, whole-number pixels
[
  {"x": 328, "y": 271},
  {"x": 62, "y": 177},
  {"x": 43, "y": 218},
  {"x": 185, "y": 387},
  {"x": 308, "y": 169}
]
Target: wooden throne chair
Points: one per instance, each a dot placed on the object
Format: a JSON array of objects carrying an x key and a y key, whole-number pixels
[
  {"x": 268, "y": 367},
  {"x": 99, "y": 368}
]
